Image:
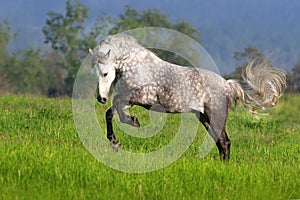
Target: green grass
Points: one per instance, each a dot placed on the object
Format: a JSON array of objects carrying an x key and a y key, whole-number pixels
[{"x": 42, "y": 157}]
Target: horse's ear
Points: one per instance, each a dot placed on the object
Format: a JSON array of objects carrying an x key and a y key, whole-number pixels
[
  {"x": 107, "y": 54},
  {"x": 91, "y": 52}
]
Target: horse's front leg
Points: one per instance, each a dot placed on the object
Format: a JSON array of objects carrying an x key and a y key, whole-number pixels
[
  {"x": 120, "y": 102},
  {"x": 109, "y": 128}
]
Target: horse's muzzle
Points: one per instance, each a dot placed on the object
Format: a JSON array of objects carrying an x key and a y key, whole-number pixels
[{"x": 101, "y": 99}]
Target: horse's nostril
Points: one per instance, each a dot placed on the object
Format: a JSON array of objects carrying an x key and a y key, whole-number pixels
[{"x": 103, "y": 100}]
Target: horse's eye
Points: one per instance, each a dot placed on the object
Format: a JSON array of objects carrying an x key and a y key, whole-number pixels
[
  {"x": 105, "y": 74},
  {"x": 100, "y": 61}
]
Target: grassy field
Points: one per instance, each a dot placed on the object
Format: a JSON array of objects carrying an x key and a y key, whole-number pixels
[{"x": 42, "y": 157}]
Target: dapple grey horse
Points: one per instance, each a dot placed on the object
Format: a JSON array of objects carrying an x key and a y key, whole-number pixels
[{"x": 147, "y": 80}]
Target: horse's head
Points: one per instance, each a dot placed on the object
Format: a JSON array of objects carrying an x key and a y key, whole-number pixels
[{"x": 104, "y": 69}]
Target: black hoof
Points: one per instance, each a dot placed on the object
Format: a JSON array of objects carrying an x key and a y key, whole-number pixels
[
  {"x": 224, "y": 157},
  {"x": 116, "y": 145},
  {"x": 135, "y": 121}
]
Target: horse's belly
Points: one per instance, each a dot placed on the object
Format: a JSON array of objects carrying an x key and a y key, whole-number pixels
[{"x": 181, "y": 105}]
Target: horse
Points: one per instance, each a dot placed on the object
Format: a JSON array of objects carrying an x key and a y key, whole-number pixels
[{"x": 146, "y": 80}]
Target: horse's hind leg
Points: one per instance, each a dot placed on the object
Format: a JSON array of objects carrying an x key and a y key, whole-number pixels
[
  {"x": 218, "y": 133},
  {"x": 223, "y": 145},
  {"x": 110, "y": 133}
]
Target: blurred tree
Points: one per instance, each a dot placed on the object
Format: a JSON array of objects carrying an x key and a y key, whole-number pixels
[
  {"x": 56, "y": 74},
  {"x": 26, "y": 72},
  {"x": 66, "y": 33},
  {"x": 244, "y": 58},
  {"x": 294, "y": 79},
  {"x": 248, "y": 54},
  {"x": 5, "y": 35},
  {"x": 132, "y": 19},
  {"x": 68, "y": 38},
  {"x": 23, "y": 71}
]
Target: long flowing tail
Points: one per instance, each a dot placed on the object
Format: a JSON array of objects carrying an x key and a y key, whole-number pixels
[{"x": 262, "y": 85}]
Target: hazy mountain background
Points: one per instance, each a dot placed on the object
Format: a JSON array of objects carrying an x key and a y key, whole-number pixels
[{"x": 225, "y": 26}]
